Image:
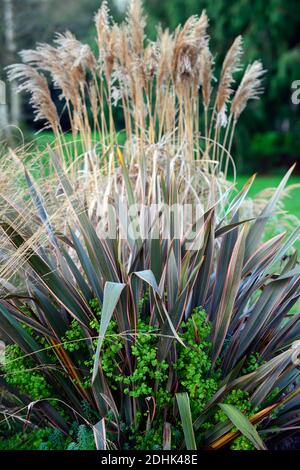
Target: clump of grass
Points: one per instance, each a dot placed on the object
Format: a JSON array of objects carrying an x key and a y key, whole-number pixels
[
  {"x": 165, "y": 88},
  {"x": 177, "y": 117}
]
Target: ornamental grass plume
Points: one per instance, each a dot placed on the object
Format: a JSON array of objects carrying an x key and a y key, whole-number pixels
[
  {"x": 249, "y": 88},
  {"x": 158, "y": 85},
  {"x": 35, "y": 83}
]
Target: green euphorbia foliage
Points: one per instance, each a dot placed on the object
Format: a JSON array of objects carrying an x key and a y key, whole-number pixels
[
  {"x": 148, "y": 380},
  {"x": 22, "y": 373}
]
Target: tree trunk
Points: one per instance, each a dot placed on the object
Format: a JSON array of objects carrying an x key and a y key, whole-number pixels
[
  {"x": 5, "y": 133},
  {"x": 11, "y": 47}
]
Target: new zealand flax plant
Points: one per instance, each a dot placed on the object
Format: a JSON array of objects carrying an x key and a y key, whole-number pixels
[
  {"x": 157, "y": 340},
  {"x": 153, "y": 337}
]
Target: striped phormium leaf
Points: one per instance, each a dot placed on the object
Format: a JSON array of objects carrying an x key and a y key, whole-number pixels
[{"x": 113, "y": 294}]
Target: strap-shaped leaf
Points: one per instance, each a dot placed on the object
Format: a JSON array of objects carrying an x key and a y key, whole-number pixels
[
  {"x": 87, "y": 267},
  {"x": 257, "y": 229},
  {"x": 25, "y": 319},
  {"x": 229, "y": 292},
  {"x": 61, "y": 289},
  {"x": 149, "y": 277},
  {"x": 167, "y": 436},
  {"x": 41, "y": 210},
  {"x": 99, "y": 431},
  {"x": 99, "y": 250},
  {"x": 112, "y": 293},
  {"x": 285, "y": 247},
  {"x": 239, "y": 199},
  {"x": 228, "y": 245},
  {"x": 222, "y": 434},
  {"x": 84, "y": 287},
  {"x": 19, "y": 335},
  {"x": 184, "y": 407},
  {"x": 243, "y": 424}
]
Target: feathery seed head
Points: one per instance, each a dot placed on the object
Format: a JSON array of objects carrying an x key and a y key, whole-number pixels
[
  {"x": 36, "y": 84},
  {"x": 206, "y": 63},
  {"x": 230, "y": 65},
  {"x": 249, "y": 89}
]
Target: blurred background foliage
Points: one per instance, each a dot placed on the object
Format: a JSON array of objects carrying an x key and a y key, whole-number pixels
[{"x": 267, "y": 138}]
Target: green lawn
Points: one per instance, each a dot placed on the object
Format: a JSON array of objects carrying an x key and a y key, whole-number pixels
[{"x": 292, "y": 203}]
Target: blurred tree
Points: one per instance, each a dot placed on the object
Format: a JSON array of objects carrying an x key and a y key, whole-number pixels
[
  {"x": 24, "y": 23},
  {"x": 271, "y": 32},
  {"x": 269, "y": 131},
  {"x": 17, "y": 19},
  {"x": 11, "y": 50}
]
